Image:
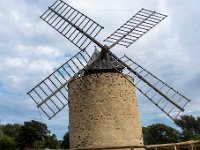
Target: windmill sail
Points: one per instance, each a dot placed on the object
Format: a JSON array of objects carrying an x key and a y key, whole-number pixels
[
  {"x": 135, "y": 28},
  {"x": 170, "y": 101},
  {"x": 51, "y": 94},
  {"x": 72, "y": 24}
]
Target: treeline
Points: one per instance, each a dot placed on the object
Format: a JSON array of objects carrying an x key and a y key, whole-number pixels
[
  {"x": 30, "y": 135},
  {"x": 188, "y": 129},
  {"x": 35, "y": 135}
]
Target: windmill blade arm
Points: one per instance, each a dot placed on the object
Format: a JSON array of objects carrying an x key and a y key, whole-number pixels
[
  {"x": 135, "y": 28},
  {"x": 72, "y": 24},
  {"x": 51, "y": 94},
  {"x": 170, "y": 101}
]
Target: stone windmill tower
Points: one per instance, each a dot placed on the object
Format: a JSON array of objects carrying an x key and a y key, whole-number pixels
[{"x": 100, "y": 88}]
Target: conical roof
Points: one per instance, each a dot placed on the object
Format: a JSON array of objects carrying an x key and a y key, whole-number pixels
[{"x": 103, "y": 62}]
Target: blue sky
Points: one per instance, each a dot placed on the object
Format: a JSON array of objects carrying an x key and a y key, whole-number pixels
[{"x": 30, "y": 50}]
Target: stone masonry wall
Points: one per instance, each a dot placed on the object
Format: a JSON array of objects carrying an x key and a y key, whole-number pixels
[{"x": 104, "y": 112}]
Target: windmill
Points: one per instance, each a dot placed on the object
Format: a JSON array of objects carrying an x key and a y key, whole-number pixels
[{"x": 82, "y": 80}]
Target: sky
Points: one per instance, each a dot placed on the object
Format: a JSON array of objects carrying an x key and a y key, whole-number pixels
[{"x": 30, "y": 50}]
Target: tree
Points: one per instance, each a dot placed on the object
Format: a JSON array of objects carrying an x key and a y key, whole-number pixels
[
  {"x": 11, "y": 130},
  {"x": 65, "y": 143},
  {"x": 160, "y": 134},
  {"x": 1, "y": 134},
  {"x": 7, "y": 143},
  {"x": 31, "y": 132},
  {"x": 190, "y": 127},
  {"x": 52, "y": 142}
]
